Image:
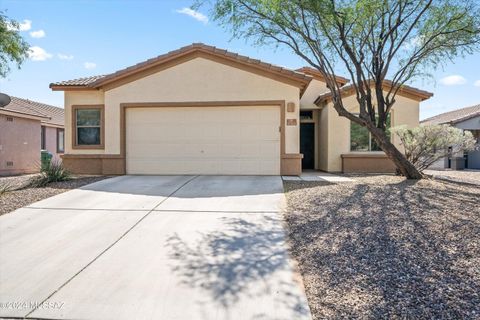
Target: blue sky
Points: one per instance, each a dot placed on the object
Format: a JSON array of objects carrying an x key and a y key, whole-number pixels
[{"x": 73, "y": 39}]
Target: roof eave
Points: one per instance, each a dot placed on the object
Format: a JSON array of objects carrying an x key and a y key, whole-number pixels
[
  {"x": 52, "y": 125},
  {"x": 409, "y": 93},
  {"x": 470, "y": 116},
  {"x": 23, "y": 114},
  {"x": 318, "y": 76},
  {"x": 55, "y": 87}
]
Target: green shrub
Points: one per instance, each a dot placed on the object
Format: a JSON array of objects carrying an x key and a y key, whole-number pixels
[{"x": 52, "y": 171}]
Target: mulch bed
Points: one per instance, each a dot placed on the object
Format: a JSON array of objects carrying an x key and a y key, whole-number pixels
[
  {"x": 13, "y": 200},
  {"x": 385, "y": 247}
]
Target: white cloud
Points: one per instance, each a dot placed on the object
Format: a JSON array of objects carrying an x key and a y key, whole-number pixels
[
  {"x": 37, "y": 34},
  {"x": 22, "y": 26},
  {"x": 90, "y": 65},
  {"x": 25, "y": 25},
  {"x": 38, "y": 54},
  {"x": 194, "y": 14},
  {"x": 453, "y": 80},
  {"x": 62, "y": 56},
  {"x": 477, "y": 83}
]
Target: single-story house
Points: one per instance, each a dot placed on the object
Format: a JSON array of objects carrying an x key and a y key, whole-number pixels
[
  {"x": 466, "y": 119},
  {"x": 204, "y": 110},
  {"x": 26, "y": 128}
]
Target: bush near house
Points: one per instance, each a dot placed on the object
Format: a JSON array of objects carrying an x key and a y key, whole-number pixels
[
  {"x": 426, "y": 144},
  {"x": 52, "y": 171}
]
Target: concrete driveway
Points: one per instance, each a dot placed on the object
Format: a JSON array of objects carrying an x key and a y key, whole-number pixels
[{"x": 152, "y": 247}]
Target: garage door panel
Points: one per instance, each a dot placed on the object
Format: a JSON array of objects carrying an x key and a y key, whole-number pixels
[
  {"x": 253, "y": 151},
  {"x": 203, "y": 140},
  {"x": 192, "y": 166}
]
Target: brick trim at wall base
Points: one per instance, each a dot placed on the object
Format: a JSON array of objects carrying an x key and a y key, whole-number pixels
[
  {"x": 367, "y": 163},
  {"x": 290, "y": 164},
  {"x": 94, "y": 164}
]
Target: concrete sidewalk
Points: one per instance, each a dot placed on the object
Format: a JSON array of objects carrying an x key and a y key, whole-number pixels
[
  {"x": 318, "y": 176},
  {"x": 153, "y": 248}
]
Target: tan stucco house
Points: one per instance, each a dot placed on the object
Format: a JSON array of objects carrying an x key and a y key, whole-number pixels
[
  {"x": 26, "y": 128},
  {"x": 203, "y": 110}
]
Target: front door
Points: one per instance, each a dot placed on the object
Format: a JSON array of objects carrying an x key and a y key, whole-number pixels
[{"x": 307, "y": 145}]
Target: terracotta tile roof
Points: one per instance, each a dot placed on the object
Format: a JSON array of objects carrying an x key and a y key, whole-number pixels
[
  {"x": 454, "y": 116},
  {"x": 98, "y": 81},
  {"x": 86, "y": 81},
  {"x": 317, "y": 75},
  {"x": 50, "y": 114},
  {"x": 403, "y": 91}
]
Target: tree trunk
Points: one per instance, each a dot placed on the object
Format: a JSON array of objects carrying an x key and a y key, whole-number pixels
[{"x": 403, "y": 165}]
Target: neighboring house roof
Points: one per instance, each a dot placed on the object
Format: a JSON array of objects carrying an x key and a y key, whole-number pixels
[
  {"x": 454, "y": 116},
  {"x": 47, "y": 114},
  {"x": 183, "y": 54},
  {"x": 406, "y": 91},
  {"x": 317, "y": 75}
]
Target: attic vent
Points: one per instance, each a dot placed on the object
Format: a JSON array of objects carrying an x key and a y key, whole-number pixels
[
  {"x": 9, "y": 163},
  {"x": 10, "y": 119}
]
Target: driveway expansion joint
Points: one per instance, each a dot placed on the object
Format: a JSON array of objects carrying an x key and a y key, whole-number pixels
[
  {"x": 88, "y": 209},
  {"x": 108, "y": 248}
]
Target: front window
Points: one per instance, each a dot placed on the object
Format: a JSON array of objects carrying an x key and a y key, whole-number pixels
[
  {"x": 60, "y": 141},
  {"x": 362, "y": 140},
  {"x": 88, "y": 126}
]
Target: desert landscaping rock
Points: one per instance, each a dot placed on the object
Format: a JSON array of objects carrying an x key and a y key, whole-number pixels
[
  {"x": 461, "y": 176},
  {"x": 16, "y": 182},
  {"x": 16, "y": 199},
  {"x": 385, "y": 247}
]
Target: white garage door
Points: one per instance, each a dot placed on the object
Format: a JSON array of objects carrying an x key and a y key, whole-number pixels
[{"x": 203, "y": 140}]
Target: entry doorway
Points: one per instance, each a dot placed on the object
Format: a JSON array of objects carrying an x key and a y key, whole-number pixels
[{"x": 307, "y": 145}]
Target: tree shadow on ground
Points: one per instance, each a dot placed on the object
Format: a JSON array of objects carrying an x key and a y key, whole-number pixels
[
  {"x": 243, "y": 260},
  {"x": 388, "y": 250}
]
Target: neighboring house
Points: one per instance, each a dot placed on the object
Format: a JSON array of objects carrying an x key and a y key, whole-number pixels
[
  {"x": 466, "y": 119},
  {"x": 203, "y": 110},
  {"x": 26, "y": 128}
]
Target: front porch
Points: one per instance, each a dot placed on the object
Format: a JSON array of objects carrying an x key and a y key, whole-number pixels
[{"x": 329, "y": 150}]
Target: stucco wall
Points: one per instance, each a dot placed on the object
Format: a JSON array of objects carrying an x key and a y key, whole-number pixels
[
  {"x": 314, "y": 89},
  {"x": 474, "y": 125},
  {"x": 19, "y": 143},
  {"x": 323, "y": 138},
  {"x": 195, "y": 80},
  {"x": 80, "y": 98},
  {"x": 51, "y": 141},
  {"x": 404, "y": 112}
]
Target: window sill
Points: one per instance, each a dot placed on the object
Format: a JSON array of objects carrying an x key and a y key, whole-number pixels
[
  {"x": 83, "y": 147},
  {"x": 364, "y": 154}
]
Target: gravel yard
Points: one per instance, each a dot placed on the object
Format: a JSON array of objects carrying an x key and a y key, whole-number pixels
[
  {"x": 13, "y": 200},
  {"x": 385, "y": 247},
  {"x": 466, "y": 176},
  {"x": 15, "y": 182}
]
